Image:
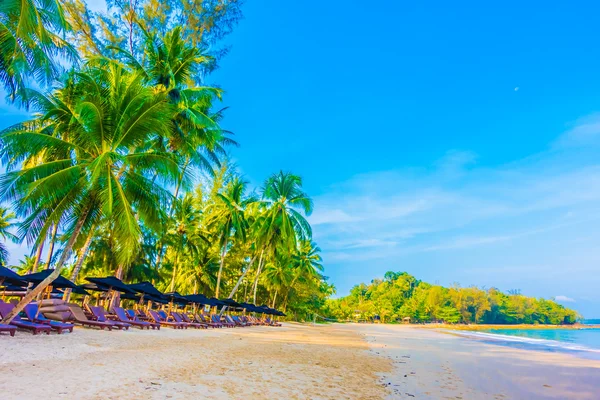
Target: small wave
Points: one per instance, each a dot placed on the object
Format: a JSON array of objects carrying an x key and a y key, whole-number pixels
[{"x": 525, "y": 341}]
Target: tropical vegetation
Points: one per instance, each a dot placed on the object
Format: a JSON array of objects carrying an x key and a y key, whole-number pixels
[
  {"x": 399, "y": 296},
  {"x": 123, "y": 168}
]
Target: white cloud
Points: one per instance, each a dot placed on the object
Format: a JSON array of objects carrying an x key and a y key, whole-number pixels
[
  {"x": 585, "y": 132},
  {"x": 459, "y": 204},
  {"x": 564, "y": 299}
]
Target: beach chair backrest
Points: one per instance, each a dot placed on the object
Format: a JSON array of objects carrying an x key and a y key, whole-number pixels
[
  {"x": 77, "y": 312},
  {"x": 154, "y": 315},
  {"x": 163, "y": 315},
  {"x": 120, "y": 313},
  {"x": 131, "y": 315},
  {"x": 185, "y": 317},
  {"x": 176, "y": 316},
  {"x": 5, "y": 308},
  {"x": 30, "y": 311},
  {"x": 98, "y": 313}
]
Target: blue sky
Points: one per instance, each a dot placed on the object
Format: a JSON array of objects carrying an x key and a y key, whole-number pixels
[{"x": 458, "y": 142}]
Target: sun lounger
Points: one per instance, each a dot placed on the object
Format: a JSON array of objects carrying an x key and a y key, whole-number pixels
[
  {"x": 8, "y": 328},
  {"x": 215, "y": 318},
  {"x": 32, "y": 313},
  {"x": 239, "y": 321},
  {"x": 158, "y": 319},
  {"x": 233, "y": 321},
  {"x": 248, "y": 320},
  {"x": 272, "y": 323},
  {"x": 190, "y": 321},
  {"x": 179, "y": 318},
  {"x": 80, "y": 318},
  {"x": 123, "y": 316},
  {"x": 168, "y": 318},
  {"x": 19, "y": 323},
  {"x": 134, "y": 318},
  {"x": 101, "y": 316},
  {"x": 202, "y": 319}
]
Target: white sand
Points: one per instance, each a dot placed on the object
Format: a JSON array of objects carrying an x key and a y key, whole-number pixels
[{"x": 294, "y": 362}]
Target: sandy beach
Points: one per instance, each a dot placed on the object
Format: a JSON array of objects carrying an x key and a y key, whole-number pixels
[
  {"x": 295, "y": 361},
  {"x": 433, "y": 365}
]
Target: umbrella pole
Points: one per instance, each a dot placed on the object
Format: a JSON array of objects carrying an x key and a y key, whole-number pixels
[{"x": 3, "y": 291}]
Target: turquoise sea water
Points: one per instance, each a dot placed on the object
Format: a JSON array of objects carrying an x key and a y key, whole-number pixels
[{"x": 584, "y": 342}]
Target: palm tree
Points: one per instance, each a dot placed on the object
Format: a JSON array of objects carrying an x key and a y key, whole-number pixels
[
  {"x": 6, "y": 223},
  {"x": 25, "y": 266},
  {"x": 307, "y": 261},
  {"x": 95, "y": 132},
  {"x": 169, "y": 63},
  {"x": 278, "y": 275},
  {"x": 183, "y": 237},
  {"x": 30, "y": 42},
  {"x": 231, "y": 219},
  {"x": 282, "y": 223},
  {"x": 306, "y": 265}
]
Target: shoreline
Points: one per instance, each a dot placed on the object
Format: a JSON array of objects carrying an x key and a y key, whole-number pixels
[
  {"x": 477, "y": 327},
  {"x": 429, "y": 364}
]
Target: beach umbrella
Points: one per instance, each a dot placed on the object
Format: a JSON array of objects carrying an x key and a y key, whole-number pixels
[
  {"x": 197, "y": 299},
  {"x": 112, "y": 283},
  {"x": 231, "y": 303},
  {"x": 154, "y": 299},
  {"x": 250, "y": 307},
  {"x": 148, "y": 292},
  {"x": 95, "y": 287},
  {"x": 215, "y": 302},
  {"x": 80, "y": 290},
  {"x": 60, "y": 282},
  {"x": 9, "y": 276},
  {"x": 175, "y": 297},
  {"x": 77, "y": 289},
  {"x": 145, "y": 288},
  {"x": 130, "y": 296}
]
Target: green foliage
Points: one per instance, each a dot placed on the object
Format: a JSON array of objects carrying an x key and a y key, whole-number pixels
[
  {"x": 401, "y": 296},
  {"x": 7, "y": 221},
  {"x": 124, "y": 164},
  {"x": 31, "y": 40}
]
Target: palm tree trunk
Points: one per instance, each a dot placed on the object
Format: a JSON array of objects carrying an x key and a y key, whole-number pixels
[
  {"x": 287, "y": 294},
  {"x": 274, "y": 298},
  {"x": 55, "y": 274},
  {"x": 51, "y": 249},
  {"x": 260, "y": 264},
  {"x": 237, "y": 285},
  {"x": 116, "y": 299},
  {"x": 172, "y": 286},
  {"x": 82, "y": 254},
  {"x": 223, "y": 253},
  {"x": 160, "y": 254},
  {"x": 38, "y": 255}
]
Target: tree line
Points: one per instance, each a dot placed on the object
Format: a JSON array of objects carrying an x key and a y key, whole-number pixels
[
  {"x": 400, "y": 295},
  {"x": 123, "y": 167}
]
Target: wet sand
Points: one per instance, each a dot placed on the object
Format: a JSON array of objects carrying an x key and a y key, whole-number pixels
[{"x": 434, "y": 365}]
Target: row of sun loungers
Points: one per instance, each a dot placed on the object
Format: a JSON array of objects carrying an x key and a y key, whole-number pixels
[{"x": 121, "y": 319}]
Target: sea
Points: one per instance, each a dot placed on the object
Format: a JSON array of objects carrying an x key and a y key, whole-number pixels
[{"x": 583, "y": 341}]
